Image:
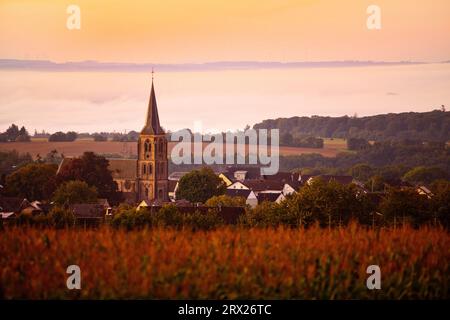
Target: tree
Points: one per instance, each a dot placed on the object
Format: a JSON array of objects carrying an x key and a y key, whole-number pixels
[
  {"x": 268, "y": 214},
  {"x": 12, "y": 132},
  {"x": 57, "y": 137},
  {"x": 93, "y": 170},
  {"x": 200, "y": 185},
  {"x": 53, "y": 157},
  {"x": 286, "y": 139},
  {"x": 3, "y": 137},
  {"x": 100, "y": 138},
  {"x": 331, "y": 204},
  {"x": 405, "y": 206},
  {"x": 357, "y": 144},
  {"x": 61, "y": 136},
  {"x": 72, "y": 192},
  {"x": 11, "y": 161},
  {"x": 71, "y": 136},
  {"x": 440, "y": 202},
  {"x": 35, "y": 181},
  {"x": 308, "y": 142},
  {"x": 424, "y": 175},
  {"x": 361, "y": 172},
  {"x": 23, "y": 135},
  {"x": 375, "y": 183},
  {"x": 61, "y": 218},
  {"x": 225, "y": 201}
]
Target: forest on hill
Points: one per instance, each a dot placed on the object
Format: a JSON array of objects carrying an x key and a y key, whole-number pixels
[{"x": 423, "y": 126}]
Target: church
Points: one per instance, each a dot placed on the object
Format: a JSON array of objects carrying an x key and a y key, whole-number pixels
[{"x": 144, "y": 178}]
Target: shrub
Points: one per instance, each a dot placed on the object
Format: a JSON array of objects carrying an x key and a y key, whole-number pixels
[
  {"x": 405, "y": 206},
  {"x": 168, "y": 217},
  {"x": 72, "y": 192},
  {"x": 225, "y": 201},
  {"x": 202, "y": 221},
  {"x": 124, "y": 218},
  {"x": 61, "y": 218}
]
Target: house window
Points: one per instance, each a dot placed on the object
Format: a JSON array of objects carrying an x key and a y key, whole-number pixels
[
  {"x": 150, "y": 168},
  {"x": 144, "y": 169}
]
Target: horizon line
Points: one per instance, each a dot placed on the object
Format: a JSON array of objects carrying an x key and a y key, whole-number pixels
[{"x": 93, "y": 65}]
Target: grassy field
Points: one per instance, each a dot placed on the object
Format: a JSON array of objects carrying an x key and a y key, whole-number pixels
[
  {"x": 225, "y": 263},
  {"x": 76, "y": 148}
]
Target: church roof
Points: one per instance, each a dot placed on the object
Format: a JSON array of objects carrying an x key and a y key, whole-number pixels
[
  {"x": 120, "y": 168},
  {"x": 123, "y": 168},
  {"x": 152, "y": 125}
]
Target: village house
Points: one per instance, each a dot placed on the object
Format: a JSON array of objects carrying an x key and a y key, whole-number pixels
[
  {"x": 90, "y": 214},
  {"x": 12, "y": 206}
]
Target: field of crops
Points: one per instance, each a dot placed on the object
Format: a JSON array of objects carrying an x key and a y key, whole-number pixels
[
  {"x": 225, "y": 263},
  {"x": 127, "y": 149}
]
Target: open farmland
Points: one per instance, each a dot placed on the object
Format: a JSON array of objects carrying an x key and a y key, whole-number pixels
[
  {"x": 127, "y": 149},
  {"x": 227, "y": 263}
]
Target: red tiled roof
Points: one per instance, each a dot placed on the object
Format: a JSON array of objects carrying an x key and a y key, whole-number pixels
[
  {"x": 283, "y": 176},
  {"x": 262, "y": 185},
  {"x": 238, "y": 193},
  {"x": 12, "y": 204},
  {"x": 267, "y": 196},
  {"x": 123, "y": 168}
]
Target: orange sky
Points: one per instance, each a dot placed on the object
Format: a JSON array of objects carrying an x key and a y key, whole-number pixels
[{"x": 175, "y": 31}]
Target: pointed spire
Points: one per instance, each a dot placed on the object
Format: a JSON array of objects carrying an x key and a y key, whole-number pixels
[{"x": 152, "y": 125}]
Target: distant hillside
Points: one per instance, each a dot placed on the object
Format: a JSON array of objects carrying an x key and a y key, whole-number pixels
[
  {"x": 426, "y": 126},
  {"x": 82, "y": 66}
]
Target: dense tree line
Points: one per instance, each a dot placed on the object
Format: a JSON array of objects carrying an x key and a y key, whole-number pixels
[
  {"x": 389, "y": 153},
  {"x": 327, "y": 204},
  {"x": 131, "y": 136},
  {"x": 100, "y": 137},
  {"x": 168, "y": 216},
  {"x": 13, "y": 133},
  {"x": 61, "y": 136},
  {"x": 287, "y": 139},
  {"x": 93, "y": 170},
  {"x": 357, "y": 144},
  {"x": 426, "y": 126},
  {"x": 82, "y": 180},
  {"x": 11, "y": 161},
  {"x": 334, "y": 205}
]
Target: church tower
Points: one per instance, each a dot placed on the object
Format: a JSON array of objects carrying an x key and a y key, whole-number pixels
[{"x": 152, "y": 164}]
